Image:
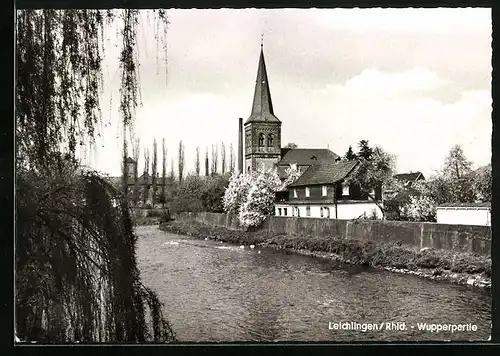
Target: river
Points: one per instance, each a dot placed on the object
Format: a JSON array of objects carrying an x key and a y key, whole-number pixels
[{"x": 214, "y": 291}]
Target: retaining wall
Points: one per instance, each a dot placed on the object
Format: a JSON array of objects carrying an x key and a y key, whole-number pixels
[{"x": 465, "y": 238}]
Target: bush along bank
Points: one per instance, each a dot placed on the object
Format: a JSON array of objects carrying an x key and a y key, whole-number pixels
[{"x": 460, "y": 268}]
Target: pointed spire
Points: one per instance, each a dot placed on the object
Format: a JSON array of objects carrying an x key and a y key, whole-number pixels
[{"x": 262, "y": 108}]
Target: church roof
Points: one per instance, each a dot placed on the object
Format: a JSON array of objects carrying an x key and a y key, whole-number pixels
[
  {"x": 307, "y": 156},
  {"x": 262, "y": 108},
  {"x": 325, "y": 173}
]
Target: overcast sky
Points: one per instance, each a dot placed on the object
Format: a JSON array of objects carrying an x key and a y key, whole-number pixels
[{"x": 414, "y": 81}]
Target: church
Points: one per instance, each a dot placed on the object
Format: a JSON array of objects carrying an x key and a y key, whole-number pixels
[{"x": 321, "y": 190}]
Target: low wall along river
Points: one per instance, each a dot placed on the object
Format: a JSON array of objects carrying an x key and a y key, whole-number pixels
[{"x": 458, "y": 238}]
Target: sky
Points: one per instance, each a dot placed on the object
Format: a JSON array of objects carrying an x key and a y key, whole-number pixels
[{"x": 414, "y": 81}]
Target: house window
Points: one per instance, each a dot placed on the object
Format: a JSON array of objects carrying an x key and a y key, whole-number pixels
[
  {"x": 279, "y": 211},
  {"x": 327, "y": 212},
  {"x": 284, "y": 212},
  {"x": 345, "y": 189},
  {"x": 372, "y": 192},
  {"x": 296, "y": 212},
  {"x": 261, "y": 140},
  {"x": 321, "y": 211},
  {"x": 308, "y": 192},
  {"x": 324, "y": 190},
  {"x": 295, "y": 193},
  {"x": 270, "y": 141},
  {"x": 308, "y": 210}
]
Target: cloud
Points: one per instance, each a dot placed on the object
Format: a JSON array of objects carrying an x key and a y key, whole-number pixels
[
  {"x": 373, "y": 82},
  {"x": 409, "y": 20},
  {"x": 402, "y": 112}
]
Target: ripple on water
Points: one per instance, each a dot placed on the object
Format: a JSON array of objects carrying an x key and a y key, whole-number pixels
[{"x": 212, "y": 293}]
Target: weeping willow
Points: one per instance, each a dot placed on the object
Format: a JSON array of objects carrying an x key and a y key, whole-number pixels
[{"x": 76, "y": 271}]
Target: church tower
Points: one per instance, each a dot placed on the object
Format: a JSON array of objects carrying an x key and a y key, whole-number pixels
[{"x": 262, "y": 129}]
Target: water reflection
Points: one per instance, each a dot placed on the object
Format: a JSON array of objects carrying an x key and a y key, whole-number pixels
[{"x": 219, "y": 292}]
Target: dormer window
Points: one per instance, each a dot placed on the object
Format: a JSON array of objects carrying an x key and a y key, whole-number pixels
[
  {"x": 324, "y": 190},
  {"x": 261, "y": 140},
  {"x": 345, "y": 189},
  {"x": 314, "y": 158},
  {"x": 270, "y": 140},
  {"x": 295, "y": 193},
  {"x": 308, "y": 192}
]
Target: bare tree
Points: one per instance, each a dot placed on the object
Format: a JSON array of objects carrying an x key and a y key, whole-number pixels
[
  {"x": 197, "y": 162},
  {"x": 181, "y": 160},
  {"x": 206, "y": 162},
  {"x": 145, "y": 176},
  {"x": 163, "y": 171},
  {"x": 136, "y": 150},
  {"x": 223, "y": 157},
  {"x": 154, "y": 172},
  {"x": 231, "y": 158}
]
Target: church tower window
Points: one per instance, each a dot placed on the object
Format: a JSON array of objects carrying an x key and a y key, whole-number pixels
[
  {"x": 270, "y": 142},
  {"x": 261, "y": 140}
]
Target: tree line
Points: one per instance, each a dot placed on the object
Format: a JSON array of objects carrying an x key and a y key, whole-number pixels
[
  {"x": 455, "y": 182},
  {"x": 195, "y": 191}
]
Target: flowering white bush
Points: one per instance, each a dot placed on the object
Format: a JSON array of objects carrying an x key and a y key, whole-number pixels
[
  {"x": 237, "y": 191},
  {"x": 420, "y": 208},
  {"x": 251, "y": 196},
  {"x": 292, "y": 174}
]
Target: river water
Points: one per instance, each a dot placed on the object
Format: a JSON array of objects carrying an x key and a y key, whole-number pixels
[{"x": 214, "y": 291}]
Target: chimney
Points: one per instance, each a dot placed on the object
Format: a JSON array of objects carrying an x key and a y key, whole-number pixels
[{"x": 240, "y": 145}]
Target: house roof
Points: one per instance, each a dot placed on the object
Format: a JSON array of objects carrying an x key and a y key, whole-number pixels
[
  {"x": 465, "y": 205},
  {"x": 325, "y": 173},
  {"x": 281, "y": 170},
  {"x": 307, "y": 157},
  {"x": 409, "y": 177},
  {"x": 262, "y": 108},
  {"x": 130, "y": 160}
]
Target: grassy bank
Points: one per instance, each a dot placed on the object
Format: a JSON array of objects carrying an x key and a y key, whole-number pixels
[{"x": 461, "y": 268}]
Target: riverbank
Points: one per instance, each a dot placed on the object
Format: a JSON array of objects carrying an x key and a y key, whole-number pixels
[{"x": 460, "y": 268}]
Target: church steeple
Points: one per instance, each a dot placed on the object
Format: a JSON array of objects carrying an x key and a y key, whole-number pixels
[
  {"x": 262, "y": 108},
  {"x": 262, "y": 129}
]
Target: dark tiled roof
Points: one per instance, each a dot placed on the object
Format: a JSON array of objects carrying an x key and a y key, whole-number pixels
[
  {"x": 262, "y": 108},
  {"x": 465, "y": 205},
  {"x": 308, "y": 156},
  {"x": 409, "y": 177},
  {"x": 130, "y": 160},
  {"x": 282, "y": 171},
  {"x": 325, "y": 173}
]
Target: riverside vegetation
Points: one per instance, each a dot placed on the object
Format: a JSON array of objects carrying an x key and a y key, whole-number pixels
[{"x": 460, "y": 268}]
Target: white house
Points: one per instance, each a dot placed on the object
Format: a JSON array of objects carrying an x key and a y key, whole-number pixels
[
  {"x": 464, "y": 214},
  {"x": 322, "y": 192}
]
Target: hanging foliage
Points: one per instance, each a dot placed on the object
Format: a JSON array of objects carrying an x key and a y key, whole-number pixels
[{"x": 76, "y": 273}]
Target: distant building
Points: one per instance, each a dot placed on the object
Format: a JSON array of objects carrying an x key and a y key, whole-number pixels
[
  {"x": 143, "y": 179},
  {"x": 321, "y": 190},
  {"x": 407, "y": 179},
  {"x": 464, "y": 214}
]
